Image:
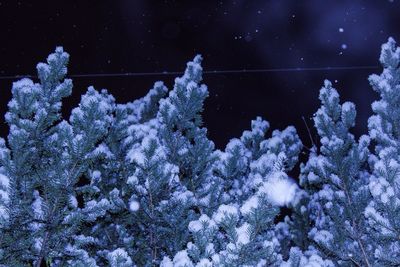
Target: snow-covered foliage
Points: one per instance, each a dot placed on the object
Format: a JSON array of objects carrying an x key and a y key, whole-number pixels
[
  {"x": 233, "y": 232},
  {"x": 44, "y": 160},
  {"x": 348, "y": 210},
  {"x": 337, "y": 184},
  {"x": 140, "y": 184},
  {"x": 383, "y": 212}
]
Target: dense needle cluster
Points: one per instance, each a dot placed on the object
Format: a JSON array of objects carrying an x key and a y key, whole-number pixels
[{"x": 140, "y": 184}]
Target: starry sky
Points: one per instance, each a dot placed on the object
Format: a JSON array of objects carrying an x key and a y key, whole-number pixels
[{"x": 156, "y": 36}]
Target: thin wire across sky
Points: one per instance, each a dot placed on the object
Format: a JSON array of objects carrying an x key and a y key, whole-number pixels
[{"x": 168, "y": 73}]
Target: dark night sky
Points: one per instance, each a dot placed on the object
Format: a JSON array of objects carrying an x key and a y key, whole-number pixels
[{"x": 152, "y": 36}]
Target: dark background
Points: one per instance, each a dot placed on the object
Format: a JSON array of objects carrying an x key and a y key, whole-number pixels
[{"x": 156, "y": 36}]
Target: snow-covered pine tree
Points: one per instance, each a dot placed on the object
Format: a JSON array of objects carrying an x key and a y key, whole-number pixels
[
  {"x": 247, "y": 161},
  {"x": 186, "y": 143},
  {"x": 161, "y": 209},
  {"x": 383, "y": 212},
  {"x": 251, "y": 170},
  {"x": 33, "y": 111},
  {"x": 116, "y": 231},
  {"x": 171, "y": 169},
  {"x": 90, "y": 123},
  {"x": 156, "y": 155},
  {"x": 43, "y": 162},
  {"x": 337, "y": 183}
]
